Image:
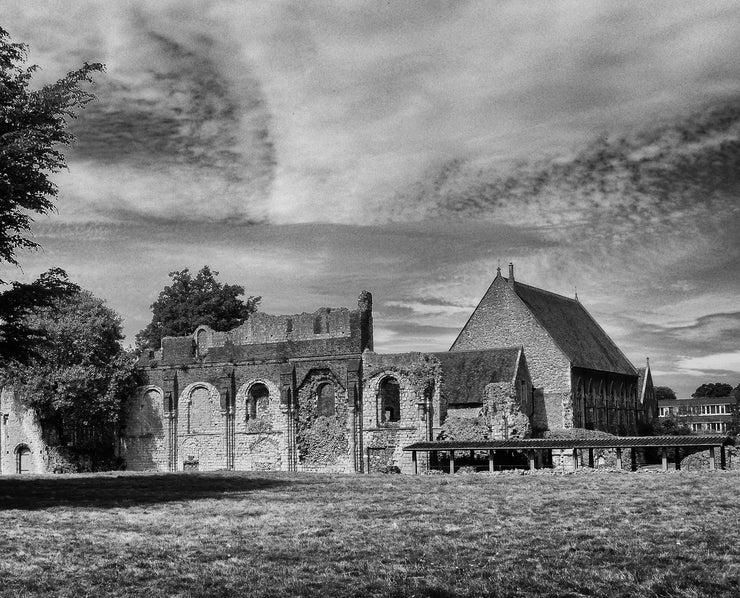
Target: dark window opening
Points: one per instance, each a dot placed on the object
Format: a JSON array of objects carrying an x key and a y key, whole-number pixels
[
  {"x": 289, "y": 325},
  {"x": 390, "y": 400},
  {"x": 317, "y": 325},
  {"x": 257, "y": 400},
  {"x": 325, "y": 404}
]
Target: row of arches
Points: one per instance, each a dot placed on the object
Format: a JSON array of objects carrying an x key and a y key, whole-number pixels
[{"x": 605, "y": 405}]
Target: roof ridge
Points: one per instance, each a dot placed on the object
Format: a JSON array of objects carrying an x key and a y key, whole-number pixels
[{"x": 558, "y": 295}]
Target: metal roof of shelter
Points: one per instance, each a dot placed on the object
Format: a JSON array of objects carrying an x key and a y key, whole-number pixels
[{"x": 571, "y": 443}]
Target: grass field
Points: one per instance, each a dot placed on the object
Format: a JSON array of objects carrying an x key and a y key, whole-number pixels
[{"x": 249, "y": 534}]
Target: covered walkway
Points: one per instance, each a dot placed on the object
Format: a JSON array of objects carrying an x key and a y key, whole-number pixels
[{"x": 567, "y": 449}]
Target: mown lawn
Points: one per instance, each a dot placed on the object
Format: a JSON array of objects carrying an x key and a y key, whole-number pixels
[{"x": 250, "y": 534}]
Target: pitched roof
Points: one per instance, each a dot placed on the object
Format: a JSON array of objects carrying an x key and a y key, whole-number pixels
[
  {"x": 466, "y": 373},
  {"x": 577, "y": 334}
]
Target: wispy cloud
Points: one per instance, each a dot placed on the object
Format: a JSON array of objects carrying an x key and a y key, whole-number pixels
[{"x": 309, "y": 150}]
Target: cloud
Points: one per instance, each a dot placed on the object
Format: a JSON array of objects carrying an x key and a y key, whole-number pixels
[
  {"x": 729, "y": 362},
  {"x": 336, "y": 112}
]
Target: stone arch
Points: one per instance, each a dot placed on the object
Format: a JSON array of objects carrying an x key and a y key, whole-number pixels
[
  {"x": 199, "y": 409},
  {"x": 23, "y": 463},
  {"x": 202, "y": 336},
  {"x": 322, "y": 438},
  {"x": 372, "y": 391},
  {"x": 252, "y": 406},
  {"x": 199, "y": 414},
  {"x": 145, "y": 412}
]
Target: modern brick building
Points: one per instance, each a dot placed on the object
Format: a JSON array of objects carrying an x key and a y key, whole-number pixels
[{"x": 704, "y": 415}]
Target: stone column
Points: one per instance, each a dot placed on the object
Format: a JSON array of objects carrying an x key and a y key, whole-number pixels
[
  {"x": 171, "y": 391},
  {"x": 354, "y": 405},
  {"x": 289, "y": 406}
]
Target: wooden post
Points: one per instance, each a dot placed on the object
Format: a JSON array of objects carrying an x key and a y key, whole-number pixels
[
  {"x": 416, "y": 465},
  {"x": 664, "y": 457},
  {"x": 722, "y": 461},
  {"x": 711, "y": 457},
  {"x": 575, "y": 459},
  {"x": 491, "y": 457},
  {"x": 591, "y": 458},
  {"x": 452, "y": 461},
  {"x": 472, "y": 457},
  {"x": 532, "y": 464},
  {"x": 619, "y": 458},
  {"x": 633, "y": 459},
  {"x": 368, "y": 459},
  {"x": 677, "y": 452}
]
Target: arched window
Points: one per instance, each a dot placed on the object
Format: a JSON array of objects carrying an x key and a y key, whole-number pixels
[
  {"x": 202, "y": 342},
  {"x": 258, "y": 400},
  {"x": 390, "y": 400},
  {"x": 22, "y": 459},
  {"x": 325, "y": 404}
]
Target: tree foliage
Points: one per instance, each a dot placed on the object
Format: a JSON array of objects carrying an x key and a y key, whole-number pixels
[
  {"x": 191, "y": 301},
  {"x": 33, "y": 129},
  {"x": 664, "y": 393},
  {"x": 715, "y": 389},
  {"x": 80, "y": 374}
]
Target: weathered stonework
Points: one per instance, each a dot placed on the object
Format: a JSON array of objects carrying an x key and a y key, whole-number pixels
[{"x": 306, "y": 392}]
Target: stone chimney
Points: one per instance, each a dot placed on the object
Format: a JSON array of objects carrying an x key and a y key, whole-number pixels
[{"x": 511, "y": 275}]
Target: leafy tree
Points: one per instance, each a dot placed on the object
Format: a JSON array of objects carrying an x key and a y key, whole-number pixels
[
  {"x": 718, "y": 389},
  {"x": 189, "y": 302},
  {"x": 33, "y": 128},
  {"x": 669, "y": 426},
  {"x": 664, "y": 393},
  {"x": 80, "y": 376}
]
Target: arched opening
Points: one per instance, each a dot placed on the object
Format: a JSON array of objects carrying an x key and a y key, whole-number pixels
[
  {"x": 390, "y": 400},
  {"x": 202, "y": 342},
  {"x": 325, "y": 402},
  {"x": 258, "y": 400},
  {"x": 22, "y": 459}
]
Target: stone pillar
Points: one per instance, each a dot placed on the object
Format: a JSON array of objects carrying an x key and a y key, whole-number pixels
[
  {"x": 354, "y": 405},
  {"x": 170, "y": 400},
  {"x": 288, "y": 404},
  {"x": 711, "y": 457}
]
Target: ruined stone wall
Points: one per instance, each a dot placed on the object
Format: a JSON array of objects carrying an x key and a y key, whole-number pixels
[
  {"x": 19, "y": 428},
  {"x": 143, "y": 442},
  {"x": 421, "y": 412},
  {"x": 199, "y": 417},
  {"x": 502, "y": 410},
  {"x": 505, "y": 321}
]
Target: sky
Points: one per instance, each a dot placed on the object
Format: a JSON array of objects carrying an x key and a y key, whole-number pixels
[{"x": 308, "y": 151}]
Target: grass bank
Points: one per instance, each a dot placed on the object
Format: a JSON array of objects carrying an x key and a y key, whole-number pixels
[{"x": 250, "y": 534}]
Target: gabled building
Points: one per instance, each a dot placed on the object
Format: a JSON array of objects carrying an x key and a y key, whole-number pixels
[{"x": 581, "y": 378}]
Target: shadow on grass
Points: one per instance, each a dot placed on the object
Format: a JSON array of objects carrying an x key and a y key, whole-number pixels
[{"x": 126, "y": 490}]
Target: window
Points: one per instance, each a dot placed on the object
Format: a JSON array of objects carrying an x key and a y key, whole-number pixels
[
  {"x": 390, "y": 400},
  {"x": 257, "y": 400},
  {"x": 325, "y": 405}
]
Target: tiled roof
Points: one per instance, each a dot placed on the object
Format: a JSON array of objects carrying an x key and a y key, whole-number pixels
[
  {"x": 571, "y": 443},
  {"x": 466, "y": 373},
  {"x": 577, "y": 334}
]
